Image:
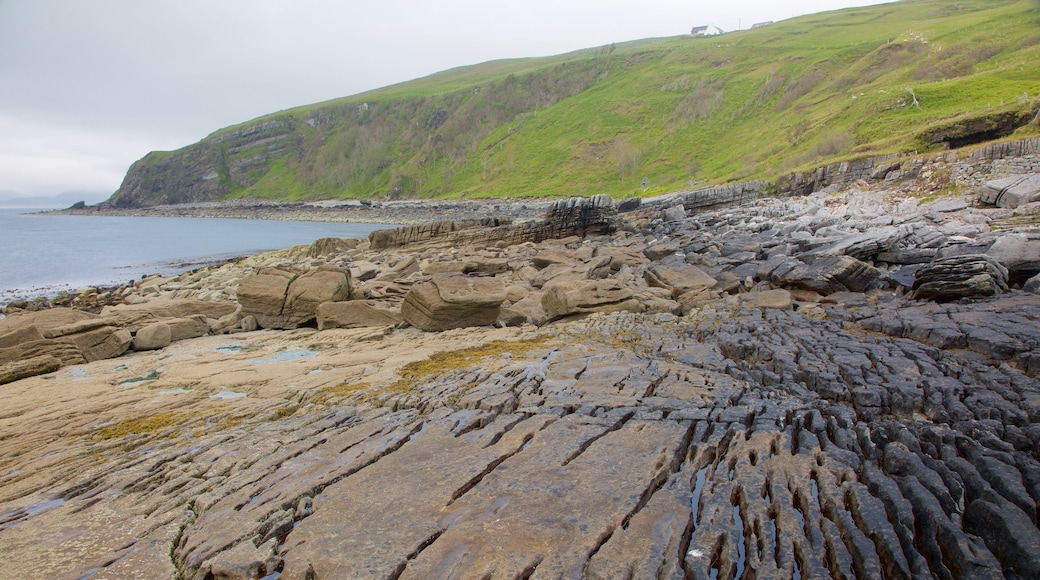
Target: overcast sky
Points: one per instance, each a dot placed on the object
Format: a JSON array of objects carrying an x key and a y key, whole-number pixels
[{"x": 89, "y": 86}]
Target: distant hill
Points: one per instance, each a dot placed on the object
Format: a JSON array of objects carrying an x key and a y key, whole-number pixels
[
  {"x": 641, "y": 117},
  {"x": 60, "y": 201}
]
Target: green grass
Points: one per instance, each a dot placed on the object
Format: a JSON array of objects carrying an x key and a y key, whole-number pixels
[{"x": 753, "y": 104}]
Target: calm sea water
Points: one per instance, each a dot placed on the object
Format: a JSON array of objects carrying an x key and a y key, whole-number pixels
[{"x": 44, "y": 254}]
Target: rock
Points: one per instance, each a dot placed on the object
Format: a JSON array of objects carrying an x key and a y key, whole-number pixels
[
  {"x": 586, "y": 296},
  {"x": 826, "y": 274},
  {"x": 946, "y": 205},
  {"x": 19, "y": 335},
  {"x": 1019, "y": 253},
  {"x": 1032, "y": 285},
  {"x": 661, "y": 249},
  {"x": 769, "y": 299},
  {"x": 971, "y": 276},
  {"x": 866, "y": 245},
  {"x": 579, "y": 216},
  {"x": 263, "y": 295},
  {"x": 450, "y": 301},
  {"x": 152, "y": 337},
  {"x": 313, "y": 288},
  {"x": 18, "y": 304},
  {"x": 630, "y": 204},
  {"x": 284, "y": 299},
  {"x": 674, "y": 214},
  {"x": 679, "y": 280},
  {"x": 1011, "y": 192},
  {"x": 99, "y": 343},
  {"x": 38, "y": 365},
  {"x": 356, "y": 314}
]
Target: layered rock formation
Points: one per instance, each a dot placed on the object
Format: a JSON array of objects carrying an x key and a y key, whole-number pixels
[{"x": 793, "y": 387}]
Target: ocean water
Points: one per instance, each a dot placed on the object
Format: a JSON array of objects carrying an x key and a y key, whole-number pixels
[{"x": 45, "y": 254}]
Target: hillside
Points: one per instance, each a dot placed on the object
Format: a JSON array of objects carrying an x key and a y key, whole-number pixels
[{"x": 643, "y": 117}]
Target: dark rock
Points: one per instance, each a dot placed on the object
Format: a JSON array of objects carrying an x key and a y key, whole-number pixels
[
  {"x": 971, "y": 276},
  {"x": 1019, "y": 253},
  {"x": 826, "y": 274}
]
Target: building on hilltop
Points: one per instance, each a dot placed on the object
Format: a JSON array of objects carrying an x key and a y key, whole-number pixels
[
  {"x": 761, "y": 24},
  {"x": 707, "y": 30}
]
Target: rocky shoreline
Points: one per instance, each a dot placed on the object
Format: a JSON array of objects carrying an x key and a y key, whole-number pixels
[
  {"x": 408, "y": 212},
  {"x": 845, "y": 384}
]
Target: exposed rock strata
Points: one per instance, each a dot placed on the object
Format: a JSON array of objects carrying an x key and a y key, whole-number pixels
[{"x": 770, "y": 399}]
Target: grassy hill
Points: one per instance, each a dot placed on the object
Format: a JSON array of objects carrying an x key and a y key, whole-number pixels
[{"x": 641, "y": 117}]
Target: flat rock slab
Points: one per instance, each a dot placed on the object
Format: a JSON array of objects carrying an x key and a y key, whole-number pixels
[{"x": 620, "y": 444}]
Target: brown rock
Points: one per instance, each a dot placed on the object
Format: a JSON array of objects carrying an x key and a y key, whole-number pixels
[
  {"x": 678, "y": 280},
  {"x": 356, "y": 314},
  {"x": 263, "y": 295},
  {"x": 448, "y": 301},
  {"x": 284, "y": 299},
  {"x": 13, "y": 371},
  {"x": 152, "y": 337},
  {"x": 312, "y": 289},
  {"x": 585, "y": 296}
]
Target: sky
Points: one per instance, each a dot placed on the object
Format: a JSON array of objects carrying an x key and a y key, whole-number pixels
[{"x": 87, "y": 87}]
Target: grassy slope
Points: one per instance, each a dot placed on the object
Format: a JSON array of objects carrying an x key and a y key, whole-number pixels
[{"x": 751, "y": 104}]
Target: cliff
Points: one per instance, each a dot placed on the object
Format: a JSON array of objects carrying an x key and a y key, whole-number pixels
[{"x": 642, "y": 118}]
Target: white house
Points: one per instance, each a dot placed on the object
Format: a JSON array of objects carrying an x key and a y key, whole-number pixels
[{"x": 709, "y": 30}]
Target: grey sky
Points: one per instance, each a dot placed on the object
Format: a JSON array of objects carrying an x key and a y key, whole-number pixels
[{"x": 89, "y": 86}]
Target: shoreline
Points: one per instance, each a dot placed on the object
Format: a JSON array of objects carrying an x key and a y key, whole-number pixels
[{"x": 405, "y": 212}]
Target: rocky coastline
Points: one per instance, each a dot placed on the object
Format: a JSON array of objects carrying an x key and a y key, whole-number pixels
[
  {"x": 407, "y": 212},
  {"x": 843, "y": 384}
]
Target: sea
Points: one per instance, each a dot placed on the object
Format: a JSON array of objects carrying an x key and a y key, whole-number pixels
[{"x": 43, "y": 254}]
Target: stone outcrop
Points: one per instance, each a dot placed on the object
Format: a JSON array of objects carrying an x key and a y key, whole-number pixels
[
  {"x": 812, "y": 412},
  {"x": 451, "y": 301}
]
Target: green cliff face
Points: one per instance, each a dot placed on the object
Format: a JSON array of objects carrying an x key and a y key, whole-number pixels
[{"x": 642, "y": 117}]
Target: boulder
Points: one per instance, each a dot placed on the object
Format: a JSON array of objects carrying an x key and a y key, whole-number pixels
[
  {"x": 313, "y": 288},
  {"x": 1019, "y": 253},
  {"x": 972, "y": 276},
  {"x": 152, "y": 337},
  {"x": 1011, "y": 192},
  {"x": 263, "y": 295},
  {"x": 286, "y": 299},
  {"x": 678, "y": 280},
  {"x": 1032, "y": 285},
  {"x": 449, "y": 301},
  {"x": 675, "y": 213},
  {"x": 356, "y": 314},
  {"x": 584, "y": 296},
  {"x": 826, "y": 274},
  {"x": 99, "y": 343}
]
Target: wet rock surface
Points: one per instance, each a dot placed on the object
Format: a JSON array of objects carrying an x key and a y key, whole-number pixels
[{"x": 754, "y": 390}]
